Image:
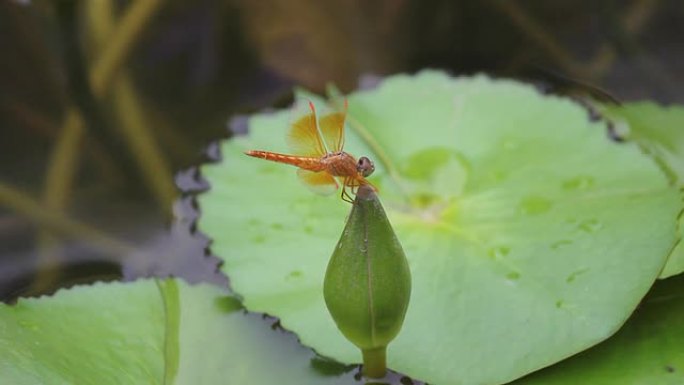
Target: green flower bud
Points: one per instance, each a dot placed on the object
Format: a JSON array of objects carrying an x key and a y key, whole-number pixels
[{"x": 368, "y": 284}]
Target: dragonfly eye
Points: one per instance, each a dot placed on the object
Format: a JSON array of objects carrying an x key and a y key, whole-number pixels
[{"x": 365, "y": 166}]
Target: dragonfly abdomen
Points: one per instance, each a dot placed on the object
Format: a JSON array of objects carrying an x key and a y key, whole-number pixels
[{"x": 305, "y": 162}]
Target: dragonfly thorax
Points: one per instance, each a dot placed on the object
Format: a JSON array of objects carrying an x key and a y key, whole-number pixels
[{"x": 340, "y": 164}]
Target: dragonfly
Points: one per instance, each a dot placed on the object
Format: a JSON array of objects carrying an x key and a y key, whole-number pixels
[{"x": 317, "y": 150}]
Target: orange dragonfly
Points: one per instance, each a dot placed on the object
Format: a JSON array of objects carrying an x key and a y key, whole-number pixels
[{"x": 321, "y": 159}]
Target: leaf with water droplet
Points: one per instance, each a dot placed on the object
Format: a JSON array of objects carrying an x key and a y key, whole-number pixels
[
  {"x": 590, "y": 225},
  {"x": 647, "y": 350},
  {"x": 516, "y": 150},
  {"x": 579, "y": 183},
  {"x": 533, "y": 205},
  {"x": 660, "y": 131}
]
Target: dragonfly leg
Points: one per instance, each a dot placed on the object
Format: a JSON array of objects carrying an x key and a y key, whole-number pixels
[
  {"x": 354, "y": 186},
  {"x": 345, "y": 195}
]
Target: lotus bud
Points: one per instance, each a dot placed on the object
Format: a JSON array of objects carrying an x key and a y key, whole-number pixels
[{"x": 368, "y": 283}]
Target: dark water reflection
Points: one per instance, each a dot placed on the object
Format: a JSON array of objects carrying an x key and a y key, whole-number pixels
[{"x": 188, "y": 67}]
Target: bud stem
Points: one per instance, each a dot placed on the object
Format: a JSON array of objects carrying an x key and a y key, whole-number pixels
[{"x": 374, "y": 362}]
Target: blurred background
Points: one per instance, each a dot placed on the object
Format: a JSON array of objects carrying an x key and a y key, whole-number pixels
[{"x": 107, "y": 105}]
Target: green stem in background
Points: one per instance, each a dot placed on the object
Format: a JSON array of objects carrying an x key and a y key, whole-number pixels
[
  {"x": 59, "y": 180},
  {"x": 123, "y": 38},
  {"x": 63, "y": 164},
  {"x": 368, "y": 283},
  {"x": 133, "y": 121},
  {"x": 633, "y": 20},
  {"x": 58, "y": 224}
]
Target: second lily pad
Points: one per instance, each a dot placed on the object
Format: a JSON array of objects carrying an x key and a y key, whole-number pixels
[{"x": 529, "y": 234}]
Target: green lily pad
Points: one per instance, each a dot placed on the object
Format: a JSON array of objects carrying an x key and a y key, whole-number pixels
[
  {"x": 149, "y": 333},
  {"x": 530, "y": 236},
  {"x": 660, "y": 131},
  {"x": 108, "y": 334},
  {"x": 647, "y": 350}
]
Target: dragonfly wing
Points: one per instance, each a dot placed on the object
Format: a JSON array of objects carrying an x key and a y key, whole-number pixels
[
  {"x": 319, "y": 182},
  {"x": 332, "y": 128},
  {"x": 303, "y": 137}
]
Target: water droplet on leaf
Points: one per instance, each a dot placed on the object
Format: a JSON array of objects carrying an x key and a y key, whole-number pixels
[
  {"x": 423, "y": 200},
  {"x": 513, "y": 275},
  {"x": 498, "y": 252},
  {"x": 582, "y": 182},
  {"x": 571, "y": 278},
  {"x": 293, "y": 275},
  {"x": 590, "y": 225},
  {"x": 534, "y": 205},
  {"x": 561, "y": 244}
]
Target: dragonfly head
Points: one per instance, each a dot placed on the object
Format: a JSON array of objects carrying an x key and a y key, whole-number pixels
[{"x": 365, "y": 166}]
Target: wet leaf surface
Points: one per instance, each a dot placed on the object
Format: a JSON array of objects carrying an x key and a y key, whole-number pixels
[
  {"x": 510, "y": 207},
  {"x": 647, "y": 350},
  {"x": 660, "y": 131}
]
